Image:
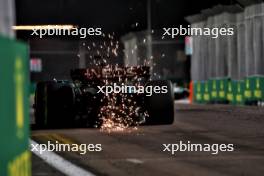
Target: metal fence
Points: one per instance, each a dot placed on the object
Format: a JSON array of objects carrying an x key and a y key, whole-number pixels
[
  {"x": 212, "y": 51},
  {"x": 233, "y": 56},
  {"x": 241, "y": 48}
]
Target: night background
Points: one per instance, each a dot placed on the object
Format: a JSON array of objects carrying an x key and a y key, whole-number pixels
[
  {"x": 49, "y": 93},
  {"x": 114, "y": 17}
]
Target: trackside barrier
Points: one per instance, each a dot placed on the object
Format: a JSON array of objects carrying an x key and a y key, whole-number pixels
[
  {"x": 249, "y": 91},
  {"x": 223, "y": 87},
  {"x": 213, "y": 90},
  {"x": 14, "y": 109},
  {"x": 254, "y": 89},
  {"x": 206, "y": 93},
  {"x": 198, "y": 91},
  {"x": 235, "y": 92},
  {"x": 232, "y": 66},
  {"x": 248, "y": 94},
  {"x": 258, "y": 88},
  {"x": 239, "y": 90}
]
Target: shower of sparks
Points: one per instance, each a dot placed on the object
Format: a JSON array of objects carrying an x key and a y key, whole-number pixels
[{"x": 118, "y": 112}]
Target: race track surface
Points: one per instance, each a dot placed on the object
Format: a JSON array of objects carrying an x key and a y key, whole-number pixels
[{"x": 140, "y": 152}]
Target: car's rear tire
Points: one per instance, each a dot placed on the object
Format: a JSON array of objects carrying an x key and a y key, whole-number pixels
[
  {"x": 54, "y": 104},
  {"x": 160, "y": 106}
]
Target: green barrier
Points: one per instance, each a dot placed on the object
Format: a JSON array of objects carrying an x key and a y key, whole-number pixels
[
  {"x": 206, "y": 93},
  {"x": 231, "y": 92},
  {"x": 221, "y": 85},
  {"x": 224, "y": 90},
  {"x": 216, "y": 90},
  {"x": 14, "y": 109},
  {"x": 213, "y": 90},
  {"x": 235, "y": 92},
  {"x": 258, "y": 88},
  {"x": 239, "y": 92},
  {"x": 254, "y": 89},
  {"x": 249, "y": 90},
  {"x": 202, "y": 92},
  {"x": 198, "y": 91}
]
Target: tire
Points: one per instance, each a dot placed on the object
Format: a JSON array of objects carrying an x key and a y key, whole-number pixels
[
  {"x": 160, "y": 106},
  {"x": 54, "y": 104}
]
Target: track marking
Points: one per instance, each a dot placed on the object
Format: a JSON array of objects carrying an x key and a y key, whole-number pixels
[
  {"x": 56, "y": 137},
  {"x": 182, "y": 101},
  {"x": 134, "y": 160},
  {"x": 62, "y": 139},
  {"x": 59, "y": 163}
]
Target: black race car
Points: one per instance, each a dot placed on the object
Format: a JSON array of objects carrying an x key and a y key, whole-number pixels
[{"x": 87, "y": 101}]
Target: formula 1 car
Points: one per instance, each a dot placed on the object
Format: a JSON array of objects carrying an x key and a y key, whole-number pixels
[{"x": 89, "y": 99}]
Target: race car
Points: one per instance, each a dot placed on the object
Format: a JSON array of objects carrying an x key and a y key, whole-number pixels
[{"x": 89, "y": 99}]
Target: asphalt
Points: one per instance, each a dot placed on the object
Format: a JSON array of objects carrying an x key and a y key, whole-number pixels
[
  {"x": 40, "y": 168},
  {"x": 140, "y": 151}
]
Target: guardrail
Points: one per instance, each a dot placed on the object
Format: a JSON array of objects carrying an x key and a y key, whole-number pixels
[{"x": 249, "y": 91}]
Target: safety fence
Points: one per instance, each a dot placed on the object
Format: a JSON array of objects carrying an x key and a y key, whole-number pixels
[{"x": 229, "y": 69}]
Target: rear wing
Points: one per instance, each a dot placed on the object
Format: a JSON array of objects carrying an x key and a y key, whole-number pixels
[{"x": 110, "y": 73}]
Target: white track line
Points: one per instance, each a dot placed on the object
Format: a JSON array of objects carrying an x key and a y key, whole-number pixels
[
  {"x": 134, "y": 160},
  {"x": 59, "y": 163},
  {"x": 182, "y": 101}
]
